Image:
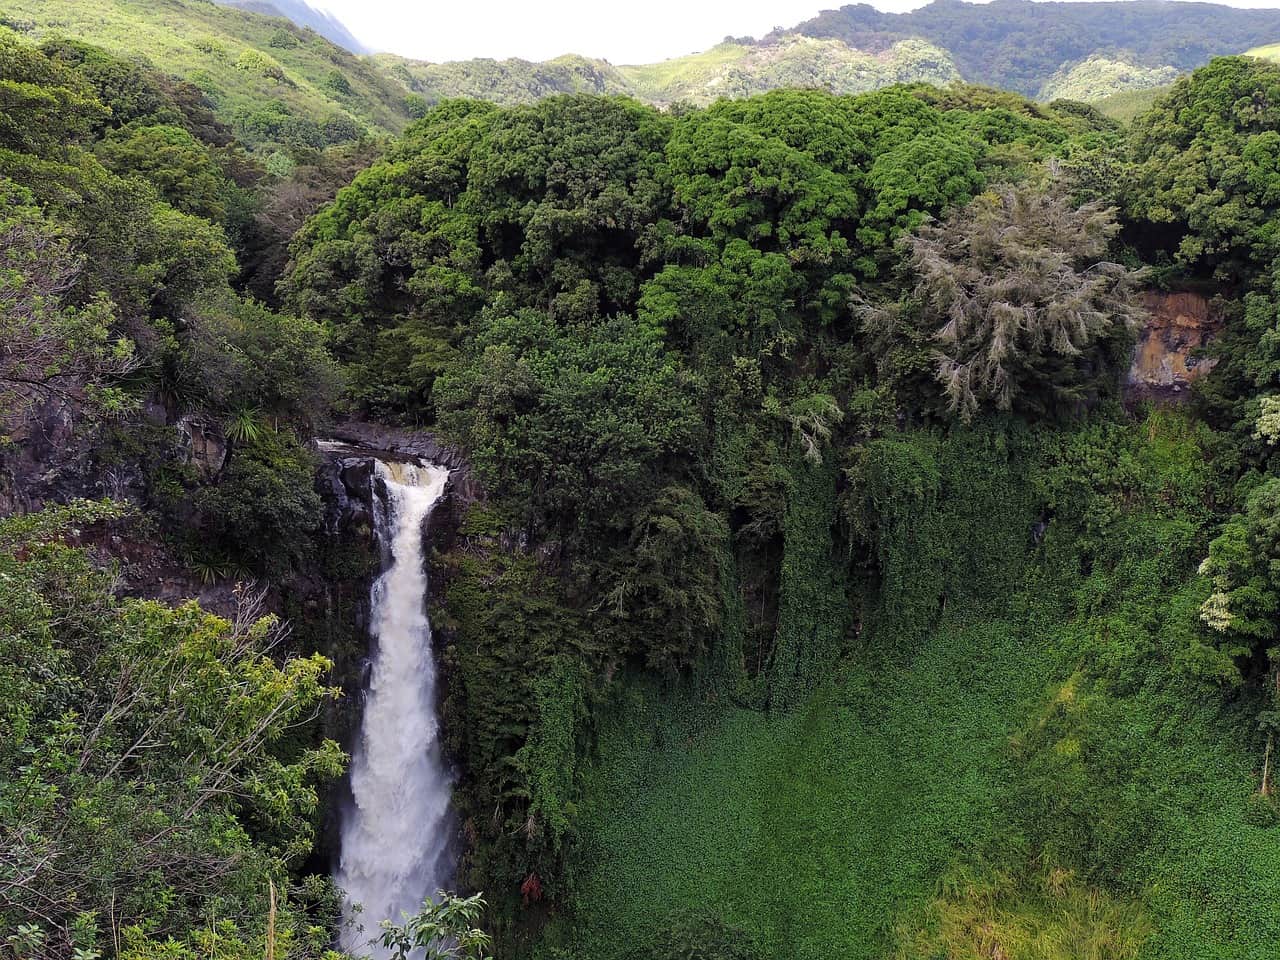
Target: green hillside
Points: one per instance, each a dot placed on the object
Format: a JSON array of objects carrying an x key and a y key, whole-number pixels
[
  {"x": 1020, "y": 44},
  {"x": 270, "y": 80},
  {"x": 505, "y": 82},
  {"x": 1100, "y": 77},
  {"x": 735, "y": 70},
  {"x": 1269, "y": 52},
  {"x": 726, "y": 70}
]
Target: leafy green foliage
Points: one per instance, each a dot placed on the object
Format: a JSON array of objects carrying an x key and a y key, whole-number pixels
[
  {"x": 148, "y": 796},
  {"x": 235, "y": 61},
  {"x": 263, "y": 506},
  {"x": 599, "y": 408},
  {"x": 1204, "y": 169},
  {"x": 698, "y": 938},
  {"x": 180, "y": 168},
  {"x": 53, "y": 350},
  {"x": 445, "y": 929},
  {"x": 1242, "y": 564}
]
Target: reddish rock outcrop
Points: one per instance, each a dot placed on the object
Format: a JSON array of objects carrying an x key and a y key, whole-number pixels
[{"x": 1178, "y": 325}]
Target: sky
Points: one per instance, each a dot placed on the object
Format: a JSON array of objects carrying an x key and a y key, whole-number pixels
[{"x": 621, "y": 32}]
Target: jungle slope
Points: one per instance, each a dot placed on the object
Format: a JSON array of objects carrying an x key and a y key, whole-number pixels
[
  {"x": 272, "y": 81},
  {"x": 1031, "y": 779}
]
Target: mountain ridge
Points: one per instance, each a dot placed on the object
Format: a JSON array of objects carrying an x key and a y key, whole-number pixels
[
  {"x": 304, "y": 15},
  {"x": 281, "y": 72},
  {"x": 1018, "y": 44}
]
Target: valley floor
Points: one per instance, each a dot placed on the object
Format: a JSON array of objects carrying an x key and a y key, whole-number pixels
[{"x": 867, "y": 823}]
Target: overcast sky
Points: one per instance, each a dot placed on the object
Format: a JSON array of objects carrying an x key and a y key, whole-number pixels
[{"x": 634, "y": 31}]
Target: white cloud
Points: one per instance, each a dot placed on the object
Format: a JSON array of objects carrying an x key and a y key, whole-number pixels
[
  {"x": 631, "y": 32},
  {"x": 620, "y": 32}
]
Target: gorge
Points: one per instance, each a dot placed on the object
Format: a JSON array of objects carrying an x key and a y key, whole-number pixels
[{"x": 743, "y": 532}]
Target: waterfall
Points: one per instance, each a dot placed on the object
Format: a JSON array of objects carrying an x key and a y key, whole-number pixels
[{"x": 395, "y": 836}]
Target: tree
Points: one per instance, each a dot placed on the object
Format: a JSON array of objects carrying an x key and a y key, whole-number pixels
[
  {"x": 43, "y": 104},
  {"x": 569, "y": 424},
  {"x": 1025, "y": 311},
  {"x": 445, "y": 929},
  {"x": 148, "y": 783},
  {"x": 1204, "y": 188},
  {"x": 178, "y": 165},
  {"x": 51, "y": 349}
]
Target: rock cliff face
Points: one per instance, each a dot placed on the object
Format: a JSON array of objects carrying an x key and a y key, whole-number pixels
[
  {"x": 359, "y": 440},
  {"x": 1165, "y": 364},
  {"x": 332, "y": 602}
]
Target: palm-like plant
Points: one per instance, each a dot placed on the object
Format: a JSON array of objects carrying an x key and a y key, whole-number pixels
[{"x": 245, "y": 425}]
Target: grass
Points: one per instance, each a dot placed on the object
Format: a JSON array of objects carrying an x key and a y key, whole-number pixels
[
  {"x": 1270, "y": 51},
  {"x": 1129, "y": 104},
  {"x": 846, "y": 829}
]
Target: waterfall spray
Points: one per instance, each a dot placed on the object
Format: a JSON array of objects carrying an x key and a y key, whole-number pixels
[{"x": 395, "y": 837}]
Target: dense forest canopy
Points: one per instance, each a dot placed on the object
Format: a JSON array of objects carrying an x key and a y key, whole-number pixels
[{"x": 821, "y": 592}]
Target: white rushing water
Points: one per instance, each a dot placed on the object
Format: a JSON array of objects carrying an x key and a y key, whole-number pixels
[{"x": 395, "y": 837}]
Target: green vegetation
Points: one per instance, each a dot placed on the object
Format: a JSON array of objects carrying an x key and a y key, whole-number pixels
[
  {"x": 443, "y": 930},
  {"x": 270, "y": 81},
  {"x": 820, "y": 595},
  {"x": 1269, "y": 52},
  {"x": 157, "y": 799},
  {"x": 1011, "y": 783},
  {"x": 850, "y": 614},
  {"x": 1098, "y": 78},
  {"x": 1020, "y": 44},
  {"x": 148, "y": 808}
]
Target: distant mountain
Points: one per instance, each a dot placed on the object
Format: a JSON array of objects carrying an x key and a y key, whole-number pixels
[
  {"x": 731, "y": 69},
  {"x": 304, "y": 15},
  {"x": 282, "y": 74},
  {"x": 1020, "y": 44},
  {"x": 1046, "y": 50}
]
